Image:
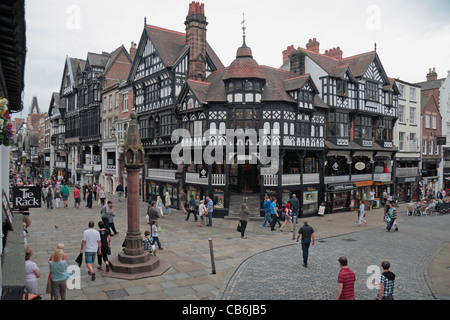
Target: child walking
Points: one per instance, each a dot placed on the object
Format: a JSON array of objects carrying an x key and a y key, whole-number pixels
[{"x": 154, "y": 231}]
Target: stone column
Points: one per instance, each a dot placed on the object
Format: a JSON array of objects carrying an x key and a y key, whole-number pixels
[{"x": 133, "y": 240}]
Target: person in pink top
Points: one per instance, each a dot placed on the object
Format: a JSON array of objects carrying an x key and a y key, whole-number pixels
[{"x": 76, "y": 194}]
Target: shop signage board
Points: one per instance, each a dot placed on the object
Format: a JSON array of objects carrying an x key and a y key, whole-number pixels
[{"x": 27, "y": 197}]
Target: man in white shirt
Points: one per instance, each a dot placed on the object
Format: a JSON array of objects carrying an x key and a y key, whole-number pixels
[{"x": 92, "y": 246}]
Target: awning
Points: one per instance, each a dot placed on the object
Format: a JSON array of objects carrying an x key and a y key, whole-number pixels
[{"x": 364, "y": 183}]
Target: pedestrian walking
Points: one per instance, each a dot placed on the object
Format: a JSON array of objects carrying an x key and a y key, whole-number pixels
[
  {"x": 105, "y": 241},
  {"x": 243, "y": 219},
  {"x": 112, "y": 225},
  {"x": 90, "y": 192},
  {"x": 392, "y": 217},
  {"x": 106, "y": 212},
  {"x": 210, "y": 208},
  {"x": 119, "y": 190},
  {"x": 57, "y": 197},
  {"x": 85, "y": 187},
  {"x": 192, "y": 208},
  {"x": 362, "y": 213},
  {"x": 295, "y": 206},
  {"x": 183, "y": 200},
  {"x": 306, "y": 233},
  {"x": 49, "y": 289},
  {"x": 387, "y": 281},
  {"x": 274, "y": 214},
  {"x": 102, "y": 195},
  {"x": 287, "y": 217},
  {"x": 91, "y": 244},
  {"x": 167, "y": 204},
  {"x": 65, "y": 194},
  {"x": 155, "y": 230},
  {"x": 152, "y": 212},
  {"x": 58, "y": 269},
  {"x": 49, "y": 195},
  {"x": 346, "y": 281},
  {"x": 267, "y": 216},
  {"x": 32, "y": 273},
  {"x": 372, "y": 199},
  {"x": 77, "y": 197},
  {"x": 159, "y": 205},
  {"x": 202, "y": 212}
]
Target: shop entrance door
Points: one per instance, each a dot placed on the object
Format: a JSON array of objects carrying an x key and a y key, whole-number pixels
[{"x": 249, "y": 178}]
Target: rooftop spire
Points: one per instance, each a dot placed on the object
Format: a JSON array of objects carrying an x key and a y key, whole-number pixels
[{"x": 243, "y": 28}]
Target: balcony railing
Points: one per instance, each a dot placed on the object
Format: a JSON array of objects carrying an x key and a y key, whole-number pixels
[
  {"x": 407, "y": 172},
  {"x": 218, "y": 179},
  {"x": 193, "y": 177}
]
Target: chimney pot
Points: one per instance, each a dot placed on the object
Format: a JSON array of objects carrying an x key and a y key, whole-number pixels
[{"x": 313, "y": 45}]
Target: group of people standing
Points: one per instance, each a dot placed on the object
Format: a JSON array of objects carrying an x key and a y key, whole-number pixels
[{"x": 290, "y": 212}]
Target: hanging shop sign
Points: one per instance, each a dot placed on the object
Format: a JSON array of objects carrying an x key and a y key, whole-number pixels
[{"x": 27, "y": 197}]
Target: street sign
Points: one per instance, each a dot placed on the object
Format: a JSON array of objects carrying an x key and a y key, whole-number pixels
[{"x": 27, "y": 197}]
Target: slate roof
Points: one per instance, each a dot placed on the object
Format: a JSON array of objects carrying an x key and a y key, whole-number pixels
[
  {"x": 430, "y": 85},
  {"x": 357, "y": 64},
  {"x": 171, "y": 45},
  {"x": 277, "y": 81}
]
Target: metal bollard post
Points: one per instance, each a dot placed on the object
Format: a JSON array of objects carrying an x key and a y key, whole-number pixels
[{"x": 211, "y": 250}]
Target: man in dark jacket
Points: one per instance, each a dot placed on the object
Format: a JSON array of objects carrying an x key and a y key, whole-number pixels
[
  {"x": 295, "y": 205},
  {"x": 152, "y": 212}
]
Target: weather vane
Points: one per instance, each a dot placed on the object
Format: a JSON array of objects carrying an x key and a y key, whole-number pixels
[{"x": 243, "y": 26}]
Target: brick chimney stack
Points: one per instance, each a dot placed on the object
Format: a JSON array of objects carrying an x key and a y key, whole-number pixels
[
  {"x": 297, "y": 59},
  {"x": 196, "y": 39},
  {"x": 432, "y": 75},
  {"x": 313, "y": 45},
  {"x": 335, "y": 53},
  {"x": 287, "y": 52},
  {"x": 133, "y": 50}
]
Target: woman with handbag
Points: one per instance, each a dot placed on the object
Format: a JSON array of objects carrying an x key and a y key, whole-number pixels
[{"x": 243, "y": 219}]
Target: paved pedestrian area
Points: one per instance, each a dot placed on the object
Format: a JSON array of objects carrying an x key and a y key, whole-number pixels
[{"x": 268, "y": 261}]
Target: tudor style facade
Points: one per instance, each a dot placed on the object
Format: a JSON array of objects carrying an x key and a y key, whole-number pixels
[
  {"x": 289, "y": 122},
  {"x": 161, "y": 67},
  {"x": 362, "y": 112}
]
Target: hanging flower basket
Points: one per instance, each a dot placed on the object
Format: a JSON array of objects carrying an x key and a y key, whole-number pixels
[{"x": 6, "y": 131}]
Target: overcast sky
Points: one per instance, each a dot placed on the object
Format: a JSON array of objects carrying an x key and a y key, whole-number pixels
[{"x": 411, "y": 35}]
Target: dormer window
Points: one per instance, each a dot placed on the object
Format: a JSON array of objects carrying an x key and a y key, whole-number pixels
[{"x": 306, "y": 96}]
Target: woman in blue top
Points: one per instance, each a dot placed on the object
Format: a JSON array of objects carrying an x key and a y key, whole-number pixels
[{"x": 58, "y": 268}]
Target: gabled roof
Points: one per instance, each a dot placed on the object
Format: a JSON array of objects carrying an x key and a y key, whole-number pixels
[
  {"x": 298, "y": 82},
  {"x": 171, "y": 47},
  {"x": 98, "y": 59},
  {"x": 71, "y": 66},
  {"x": 54, "y": 103},
  {"x": 356, "y": 65}
]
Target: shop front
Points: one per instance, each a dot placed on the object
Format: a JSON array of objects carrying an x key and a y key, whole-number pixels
[
  {"x": 341, "y": 197},
  {"x": 159, "y": 188},
  {"x": 408, "y": 188}
]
